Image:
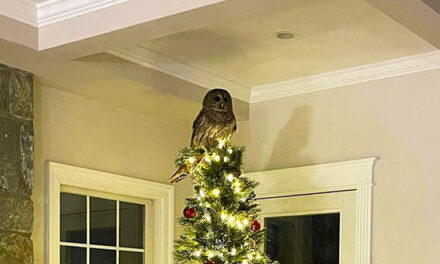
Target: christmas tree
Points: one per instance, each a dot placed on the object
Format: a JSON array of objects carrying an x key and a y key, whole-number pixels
[{"x": 220, "y": 223}]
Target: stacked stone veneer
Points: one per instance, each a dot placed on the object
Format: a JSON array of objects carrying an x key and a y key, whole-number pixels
[{"x": 16, "y": 166}]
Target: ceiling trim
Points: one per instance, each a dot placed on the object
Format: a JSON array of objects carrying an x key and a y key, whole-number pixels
[
  {"x": 153, "y": 60},
  {"x": 369, "y": 72},
  {"x": 51, "y": 11},
  {"x": 20, "y": 10}
]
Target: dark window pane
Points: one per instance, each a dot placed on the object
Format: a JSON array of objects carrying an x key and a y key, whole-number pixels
[
  {"x": 131, "y": 257},
  {"x": 131, "y": 225},
  {"x": 102, "y": 222},
  {"x": 73, "y": 218},
  {"x": 101, "y": 256},
  {"x": 303, "y": 239},
  {"x": 72, "y": 255}
]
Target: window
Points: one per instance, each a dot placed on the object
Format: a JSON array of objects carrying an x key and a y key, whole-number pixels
[
  {"x": 96, "y": 230},
  {"x": 103, "y": 218}
]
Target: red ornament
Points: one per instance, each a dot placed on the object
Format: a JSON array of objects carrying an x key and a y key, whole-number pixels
[
  {"x": 209, "y": 262},
  {"x": 189, "y": 212},
  {"x": 256, "y": 226}
]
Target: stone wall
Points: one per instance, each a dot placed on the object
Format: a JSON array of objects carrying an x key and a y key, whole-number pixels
[{"x": 16, "y": 166}]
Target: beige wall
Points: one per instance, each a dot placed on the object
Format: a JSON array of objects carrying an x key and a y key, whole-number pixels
[
  {"x": 395, "y": 119},
  {"x": 77, "y": 131}
]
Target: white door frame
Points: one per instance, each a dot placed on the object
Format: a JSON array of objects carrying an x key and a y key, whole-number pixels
[{"x": 356, "y": 175}]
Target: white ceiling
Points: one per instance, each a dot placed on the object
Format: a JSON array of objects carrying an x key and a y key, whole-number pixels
[
  {"x": 331, "y": 35},
  {"x": 40, "y": 1}
]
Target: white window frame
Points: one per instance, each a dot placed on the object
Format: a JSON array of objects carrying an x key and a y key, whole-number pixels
[
  {"x": 353, "y": 175},
  {"x": 160, "y": 229}
]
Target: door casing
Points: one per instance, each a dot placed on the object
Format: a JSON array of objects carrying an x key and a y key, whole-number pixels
[
  {"x": 356, "y": 175},
  {"x": 342, "y": 202}
]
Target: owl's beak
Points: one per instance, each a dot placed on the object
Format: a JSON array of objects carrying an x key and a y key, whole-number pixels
[{"x": 222, "y": 106}]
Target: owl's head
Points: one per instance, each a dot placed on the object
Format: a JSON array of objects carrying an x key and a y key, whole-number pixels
[{"x": 218, "y": 100}]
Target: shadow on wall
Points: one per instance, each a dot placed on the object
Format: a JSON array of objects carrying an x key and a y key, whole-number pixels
[{"x": 288, "y": 148}]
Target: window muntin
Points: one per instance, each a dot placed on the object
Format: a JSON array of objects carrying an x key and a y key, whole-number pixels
[{"x": 114, "y": 231}]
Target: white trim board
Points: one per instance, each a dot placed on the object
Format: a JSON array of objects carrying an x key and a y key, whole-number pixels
[
  {"x": 385, "y": 69},
  {"x": 153, "y": 60},
  {"x": 162, "y": 196},
  {"x": 20, "y": 10},
  {"x": 51, "y": 11},
  {"x": 364, "y": 73},
  {"x": 354, "y": 175}
]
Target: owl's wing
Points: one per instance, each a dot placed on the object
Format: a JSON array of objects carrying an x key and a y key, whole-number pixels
[{"x": 196, "y": 124}]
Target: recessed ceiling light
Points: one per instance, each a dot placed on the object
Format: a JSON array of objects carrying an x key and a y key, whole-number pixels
[{"x": 285, "y": 35}]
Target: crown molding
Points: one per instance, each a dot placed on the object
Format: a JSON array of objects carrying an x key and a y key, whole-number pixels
[
  {"x": 20, "y": 10},
  {"x": 51, "y": 11},
  {"x": 153, "y": 60},
  {"x": 369, "y": 72}
]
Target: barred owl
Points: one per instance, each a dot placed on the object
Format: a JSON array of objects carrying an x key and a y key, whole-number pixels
[{"x": 215, "y": 122}]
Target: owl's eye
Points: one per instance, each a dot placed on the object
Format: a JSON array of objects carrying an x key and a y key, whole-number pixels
[
  {"x": 217, "y": 98},
  {"x": 226, "y": 100}
]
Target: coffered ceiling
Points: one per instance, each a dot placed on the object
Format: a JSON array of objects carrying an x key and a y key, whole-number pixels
[
  {"x": 331, "y": 35},
  {"x": 142, "y": 56}
]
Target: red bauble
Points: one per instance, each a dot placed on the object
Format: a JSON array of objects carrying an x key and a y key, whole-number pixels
[
  {"x": 256, "y": 226},
  {"x": 189, "y": 212},
  {"x": 209, "y": 262}
]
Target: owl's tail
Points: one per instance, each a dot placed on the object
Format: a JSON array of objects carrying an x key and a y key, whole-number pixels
[
  {"x": 185, "y": 169},
  {"x": 179, "y": 175}
]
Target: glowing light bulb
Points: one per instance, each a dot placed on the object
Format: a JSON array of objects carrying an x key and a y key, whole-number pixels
[
  {"x": 237, "y": 189},
  {"x": 216, "y": 192},
  {"x": 225, "y": 159},
  {"x": 221, "y": 143},
  {"x": 197, "y": 253},
  {"x": 230, "y": 177},
  {"x": 243, "y": 199},
  {"x": 210, "y": 255},
  {"x": 233, "y": 252},
  {"x": 245, "y": 222},
  {"x": 259, "y": 256},
  {"x": 191, "y": 160},
  {"x": 217, "y": 158},
  {"x": 207, "y": 159},
  {"x": 230, "y": 151},
  {"x": 249, "y": 256},
  {"x": 245, "y": 262},
  {"x": 231, "y": 219},
  {"x": 208, "y": 218},
  {"x": 223, "y": 216},
  {"x": 202, "y": 193},
  {"x": 239, "y": 224}
]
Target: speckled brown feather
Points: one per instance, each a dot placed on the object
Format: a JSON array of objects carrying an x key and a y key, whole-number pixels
[
  {"x": 215, "y": 122},
  {"x": 207, "y": 132}
]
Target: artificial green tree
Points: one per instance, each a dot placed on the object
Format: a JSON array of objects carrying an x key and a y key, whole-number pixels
[{"x": 220, "y": 223}]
